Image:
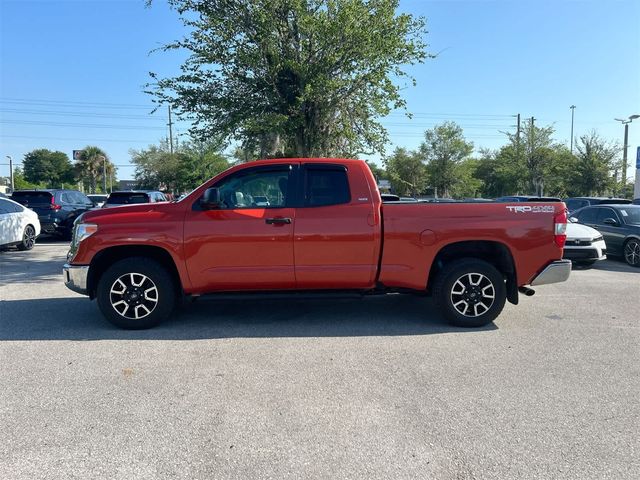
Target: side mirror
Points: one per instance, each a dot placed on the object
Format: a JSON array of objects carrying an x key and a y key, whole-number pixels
[
  {"x": 610, "y": 221},
  {"x": 573, "y": 219},
  {"x": 211, "y": 199}
]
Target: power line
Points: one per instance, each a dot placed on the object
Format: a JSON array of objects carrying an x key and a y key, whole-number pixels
[
  {"x": 80, "y": 114},
  {"x": 90, "y": 140},
  {"x": 80, "y": 125},
  {"x": 80, "y": 104}
]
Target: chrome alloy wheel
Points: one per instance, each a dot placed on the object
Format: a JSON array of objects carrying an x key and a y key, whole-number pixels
[
  {"x": 472, "y": 294},
  {"x": 29, "y": 237},
  {"x": 632, "y": 252},
  {"x": 133, "y": 295}
]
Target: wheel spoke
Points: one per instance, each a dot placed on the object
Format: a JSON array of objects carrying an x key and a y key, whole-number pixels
[
  {"x": 151, "y": 294},
  {"x": 466, "y": 306},
  {"x": 459, "y": 286},
  {"x": 122, "y": 289},
  {"x": 138, "y": 307},
  {"x": 490, "y": 294}
]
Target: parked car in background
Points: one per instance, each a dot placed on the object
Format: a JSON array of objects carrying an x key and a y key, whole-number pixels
[
  {"x": 57, "y": 209},
  {"x": 527, "y": 198},
  {"x": 261, "y": 201},
  {"x": 584, "y": 245},
  {"x": 620, "y": 227},
  {"x": 574, "y": 203},
  {"x": 133, "y": 197},
  {"x": 19, "y": 226},
  {"x": 2, "y": 195},
  {"x": 98, "y": 199},
  {"x": 636, "y": 201}
]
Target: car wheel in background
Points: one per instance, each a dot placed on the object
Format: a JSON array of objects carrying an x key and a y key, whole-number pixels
[
  {"x": 631, "y": 252},
  {"x": 136, "y": 293},
  {"x": 470, "y": 292},
  {"x": 28, "y": 238}
]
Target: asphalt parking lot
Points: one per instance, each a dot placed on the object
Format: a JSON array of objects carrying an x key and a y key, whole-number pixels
[{"x": 373, "y": 388}]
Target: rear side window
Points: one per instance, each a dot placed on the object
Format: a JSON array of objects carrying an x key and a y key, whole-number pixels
[
  {"x": 127, "y": 198},
  {"x": 589, "y": 215},
  {"x": 326, "y": 186},
  {"x": 31, "y": 198}
]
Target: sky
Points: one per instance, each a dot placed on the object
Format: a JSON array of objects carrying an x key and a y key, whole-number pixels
[{"x": 72, "y": 73}]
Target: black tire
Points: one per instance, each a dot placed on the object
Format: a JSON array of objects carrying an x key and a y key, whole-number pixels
[
  {"x": 122, "y": 282},
  {"x": 631, "y": 252},
  {"x": 454, "y": 290},
  {"x": 28, "y": 238}
]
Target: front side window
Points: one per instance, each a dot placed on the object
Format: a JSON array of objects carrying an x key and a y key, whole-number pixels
[
  {"x": 605, "y": 213},
  {"x": 326, "y": 186},
  {"x": 255, "y": 189}
]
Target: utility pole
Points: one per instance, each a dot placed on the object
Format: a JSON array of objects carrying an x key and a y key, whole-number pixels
[
  {"x": 625, "y": 122},
  {"x": 10, "y": 172},
  {"x": 572, "y": 107},
  {"x": 170, "y": 131},
  {"x": 104, "y": 173}
]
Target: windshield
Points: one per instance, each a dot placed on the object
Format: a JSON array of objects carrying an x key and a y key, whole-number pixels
[
  {"x": 127, "y": 198},
  {"x": 631, "y": 216}
]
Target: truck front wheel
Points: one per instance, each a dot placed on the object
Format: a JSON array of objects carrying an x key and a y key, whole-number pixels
[
  {"x": 470, "y": 292},
  {"x": 136, "y": 293}
]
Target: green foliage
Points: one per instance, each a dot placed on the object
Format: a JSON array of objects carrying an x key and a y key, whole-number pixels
[
  {"x": 467, "y": 184},
  {"x": 21, "y": 183},
  {"x": 378, "y": 172},
  {"x": 182, "y": 171},
  {"x": 292, "y": 77},
  {"x": 443, "y": 150},
  {"x": 92, "y": 168},
  {"x": 47, "y": 168},
  {"x": 596, "y": 160},
  {"x": 407, "y": 173}
]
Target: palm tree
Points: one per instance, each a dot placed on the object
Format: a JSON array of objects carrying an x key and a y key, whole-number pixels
[{"x": 90, "y": 165}]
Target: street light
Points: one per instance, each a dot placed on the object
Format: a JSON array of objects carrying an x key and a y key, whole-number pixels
[
  {"x": 104, "y": 172},
  {"x": 626, "y": 123},
  {"x": 572, "y": 107},
  {"x": 10, "y": 172}
]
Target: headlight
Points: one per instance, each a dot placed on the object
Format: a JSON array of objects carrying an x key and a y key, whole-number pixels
[{"x": 82, "y": 231}]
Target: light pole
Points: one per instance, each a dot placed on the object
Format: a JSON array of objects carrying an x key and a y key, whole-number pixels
[
  {"x": 626, "y": 123},
  {"x": 10, "y": 172},
  {"x": 572, "y": 107},
  {"x": 104, "y": 173}
]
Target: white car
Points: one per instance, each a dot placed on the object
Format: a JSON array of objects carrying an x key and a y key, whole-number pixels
[
  {"x": 18, "y": 225},
  {"x": 584, "y": 245}
]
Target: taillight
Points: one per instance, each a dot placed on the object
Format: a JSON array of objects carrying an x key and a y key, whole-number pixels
[
  {"x": 560, "y": 228},
  {"x": 54, "y": 206}
]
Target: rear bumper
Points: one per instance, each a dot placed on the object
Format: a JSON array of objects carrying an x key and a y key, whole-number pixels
[
  {"x": 555, "y": 272},
  {"x": 75, "y": 277}
]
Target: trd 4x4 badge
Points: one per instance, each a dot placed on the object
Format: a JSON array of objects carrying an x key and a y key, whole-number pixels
[{"x": 529, "y": 208}]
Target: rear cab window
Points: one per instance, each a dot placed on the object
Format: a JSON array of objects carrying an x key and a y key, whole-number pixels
[{"x": 326, "y": 185}]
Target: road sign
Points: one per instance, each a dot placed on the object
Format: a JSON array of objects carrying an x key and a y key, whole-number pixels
[{"x": 77, "y": 154}]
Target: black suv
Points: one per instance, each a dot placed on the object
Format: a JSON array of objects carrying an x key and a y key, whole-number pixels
[
  {"x": 132, "y": 197},
  {"x": 56, "y": 208},
  {"x": 574, "y": 203}
]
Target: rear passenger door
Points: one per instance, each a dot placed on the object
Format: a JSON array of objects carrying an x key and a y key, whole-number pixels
[{"x": 336, "y": 234}]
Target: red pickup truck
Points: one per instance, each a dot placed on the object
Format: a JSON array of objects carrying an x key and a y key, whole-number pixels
[{"x": 312, "y": 225}]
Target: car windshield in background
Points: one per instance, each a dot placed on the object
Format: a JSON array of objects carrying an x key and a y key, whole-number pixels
[
  {"x": 31, "y": 198},
  {"x": 127, "y": 198},
  {"x": 631, "y": 216}
]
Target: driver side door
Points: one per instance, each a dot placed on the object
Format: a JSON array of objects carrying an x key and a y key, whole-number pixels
[{"x": 244, "y": 244}]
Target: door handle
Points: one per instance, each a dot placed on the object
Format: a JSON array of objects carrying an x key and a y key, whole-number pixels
[{"x": 277, "y": 221}]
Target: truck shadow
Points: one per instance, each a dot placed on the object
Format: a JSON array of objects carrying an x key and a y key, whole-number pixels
[{"x": 78, "y": 319}]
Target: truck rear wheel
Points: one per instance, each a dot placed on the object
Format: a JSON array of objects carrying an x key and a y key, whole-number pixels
[
  {"x": 470, "y": 292},
  {"x": 136, "y": 293}
]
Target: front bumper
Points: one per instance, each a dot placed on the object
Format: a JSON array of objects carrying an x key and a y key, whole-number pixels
[
  {"x": 593, "y": 251},
  {"x": 75, "y": 278},
  {"x": 555, "y": 272}
]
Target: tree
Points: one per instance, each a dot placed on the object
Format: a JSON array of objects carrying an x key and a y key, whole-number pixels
[
  {"x": 596, "y": 161},
  {"x": 468, "y": 185},
  {"x": 292, "y": 77},
  {"x": 20, "y": 183},
  {"x": 192, "y": 164},
  {"x": 42, "y": 166},
  {"x": 406, "y": 172},
  {"x": 92, "y": 166},
  {"x": 443, "y": 150}
]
